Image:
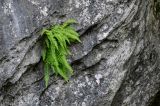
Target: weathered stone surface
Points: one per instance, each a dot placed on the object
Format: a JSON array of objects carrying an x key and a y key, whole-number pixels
[{"x": 117, "y": 63}]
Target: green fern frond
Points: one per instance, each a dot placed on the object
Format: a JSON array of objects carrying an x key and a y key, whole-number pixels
[
  {"x": 69, "y": 22},
  {"x": 44, "y": 54},
  {"x": 55, "y": 49},
  {"x": 47, "y": 42},
  {"x": 47, "y": 73}
]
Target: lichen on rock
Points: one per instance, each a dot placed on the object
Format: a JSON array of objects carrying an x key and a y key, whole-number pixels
[{"x": 117, "y": 63}]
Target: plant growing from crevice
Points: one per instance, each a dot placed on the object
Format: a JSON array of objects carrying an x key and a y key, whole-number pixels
[{"x": 55, "y": 49}]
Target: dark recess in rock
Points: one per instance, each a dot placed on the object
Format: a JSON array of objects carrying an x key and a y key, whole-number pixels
[
  {"x": 117, "y": 63},
  {"x": 156, "y": 100}
]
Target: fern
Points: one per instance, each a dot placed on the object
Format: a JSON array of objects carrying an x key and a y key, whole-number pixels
[{"x": 55, "y": 49}]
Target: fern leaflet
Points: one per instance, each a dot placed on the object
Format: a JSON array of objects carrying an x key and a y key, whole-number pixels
[{"x": 55, "y": 49}]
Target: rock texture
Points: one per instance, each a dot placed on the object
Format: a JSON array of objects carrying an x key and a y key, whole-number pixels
[{"x": 117, "y": 63}]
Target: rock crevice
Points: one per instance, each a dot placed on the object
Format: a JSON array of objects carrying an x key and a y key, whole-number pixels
[{"x": 117, "y": 63}]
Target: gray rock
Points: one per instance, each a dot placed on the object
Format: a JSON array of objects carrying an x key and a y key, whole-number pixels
[{"x": 117, "y": 63}]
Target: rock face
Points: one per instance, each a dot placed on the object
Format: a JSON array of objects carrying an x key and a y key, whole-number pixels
[{"x": 117, "y": 63}]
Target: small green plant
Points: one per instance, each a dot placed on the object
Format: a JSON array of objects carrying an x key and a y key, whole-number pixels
[{"x": 55, "y": 49}]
